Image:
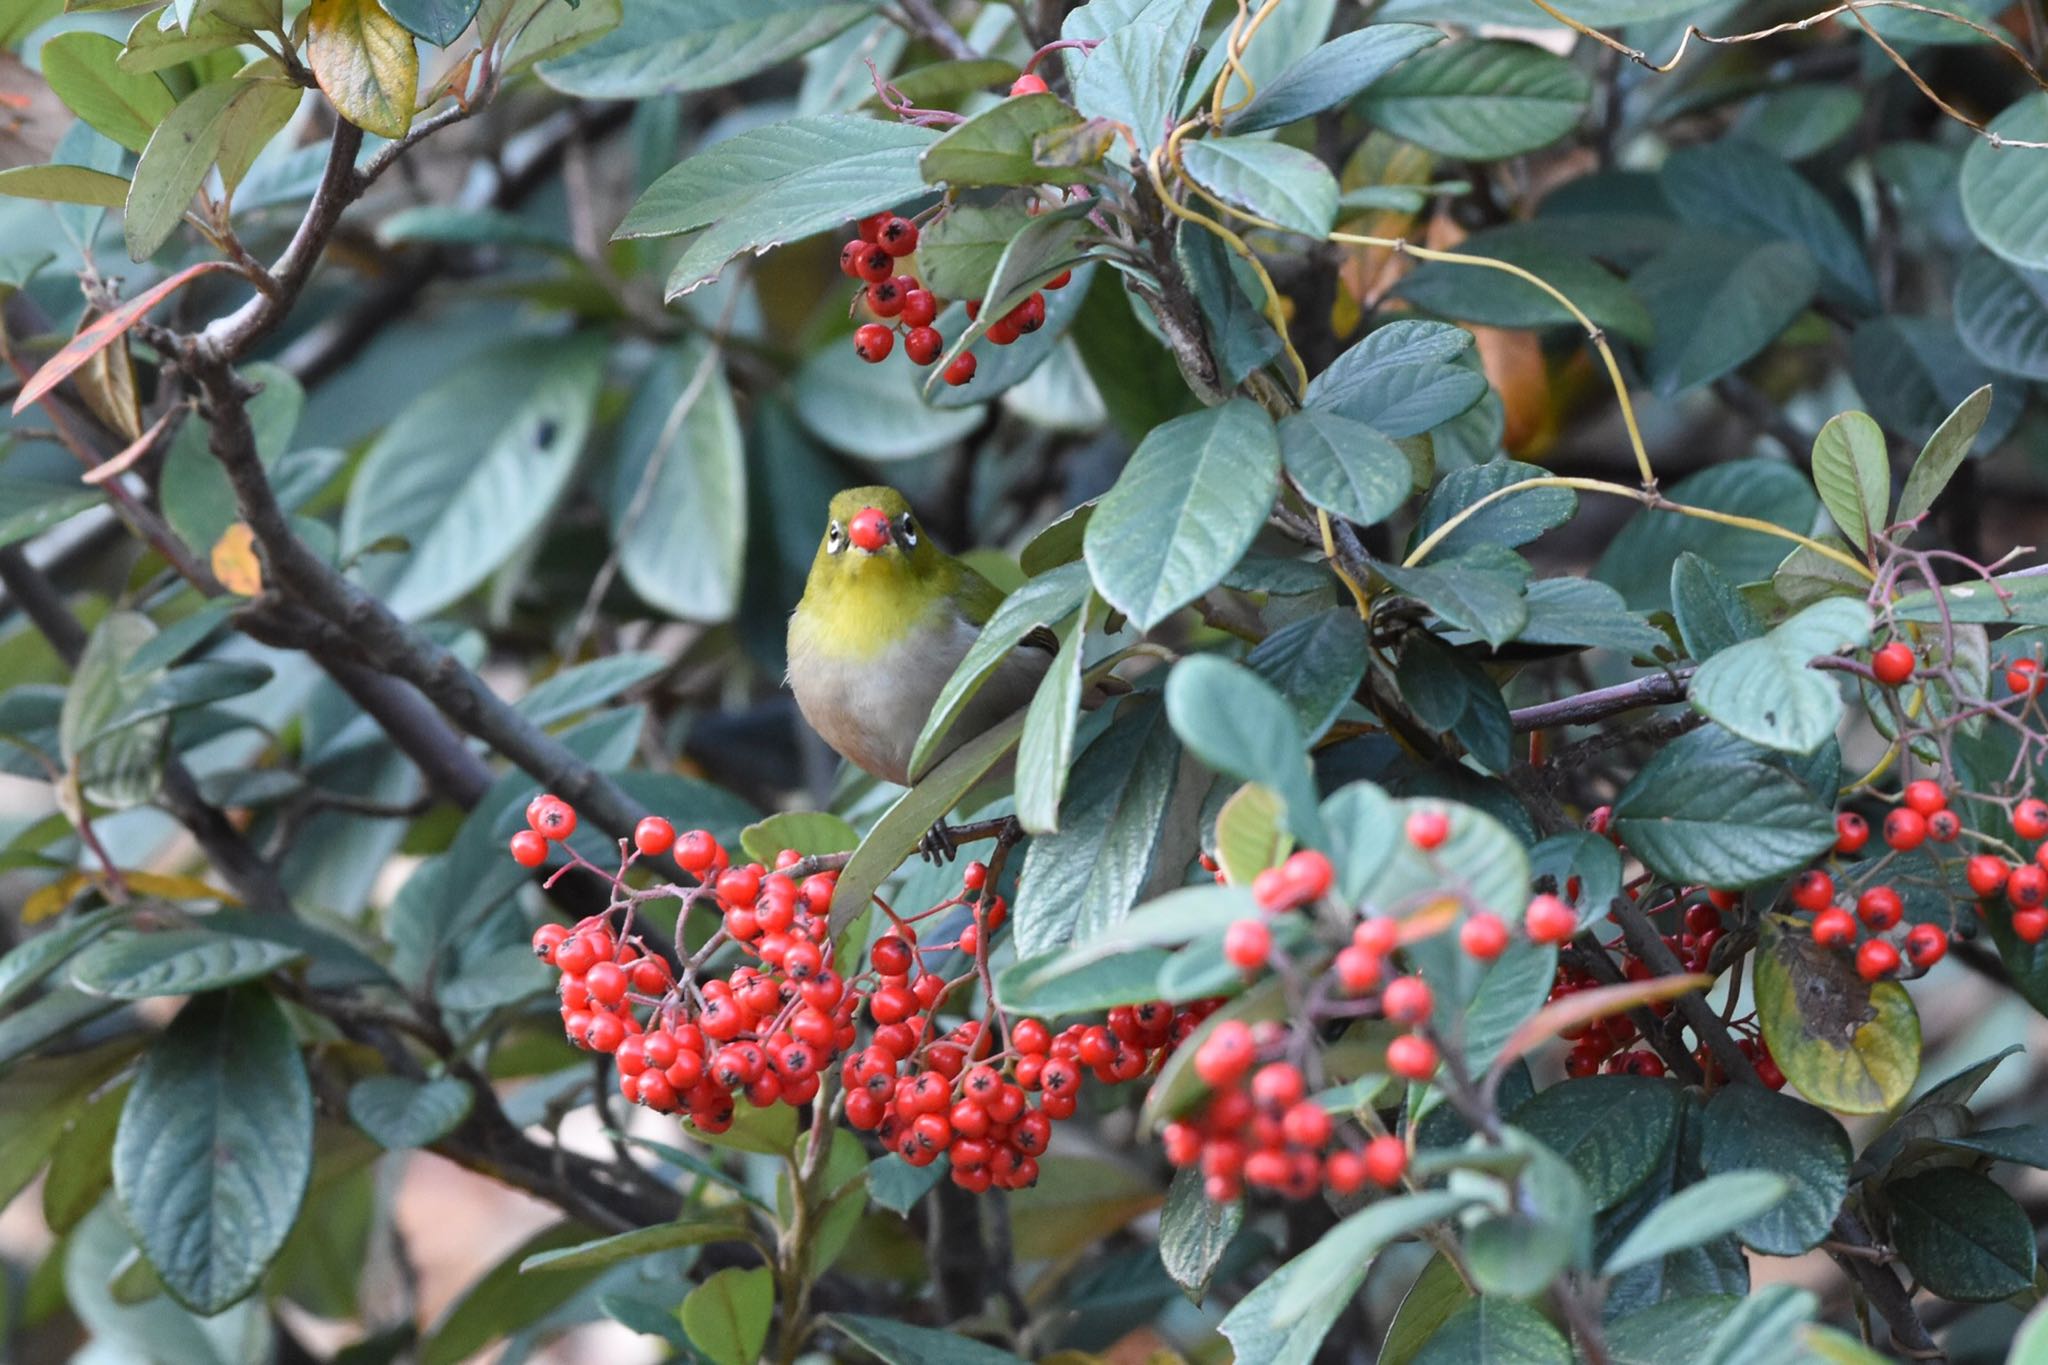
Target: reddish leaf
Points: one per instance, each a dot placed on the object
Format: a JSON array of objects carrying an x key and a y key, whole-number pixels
[
  {"x": 1583, "y": 1007},
  {"x": 100, "y": 334}
]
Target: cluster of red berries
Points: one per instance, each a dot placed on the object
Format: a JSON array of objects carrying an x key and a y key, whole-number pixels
[
  {"x": 1261, "y": 1128},
  {"x": 1610, "y": 1045},
  {"x": 874, "y": 256}
]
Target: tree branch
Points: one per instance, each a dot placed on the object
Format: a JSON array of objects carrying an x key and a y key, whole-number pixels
[{"x": 1658, "y": 689}]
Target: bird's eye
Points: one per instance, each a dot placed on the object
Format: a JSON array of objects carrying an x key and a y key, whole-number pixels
[
  {"x": 906, "y": 530},
  {"x": 835, "y": 538}
]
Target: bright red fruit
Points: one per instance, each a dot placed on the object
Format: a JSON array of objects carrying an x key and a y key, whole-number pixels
[{"x": 1893, "y": 664}]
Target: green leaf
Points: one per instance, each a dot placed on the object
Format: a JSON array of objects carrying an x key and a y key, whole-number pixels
[
  {"x": 1963, "y": 1237},
  {"x": 365, "y": 62},
  {"x": 1232, "y": 303},
  {"x": 1717, "y": 301},
  {"x": 1490, "y": 860},
  {"x": 2019, "y": 1144},
  {"x": 503, "y": 1301},
  {"x": 440, "y": 22},
  {"x": 1194, "y": 1232},
  {"x": 727, "y": 1315},
  {"x": 197, "y": 498},
  {"x": 669, "y": 46},
  {"x": 1041, "y": 602},
  {"x": 892, "y": 837},
  {"x": 199, "y": 683},
  {"x": 1307, "y": 1293},
  {"x": 2011, "y": 599},
  {"x": 1330, "y": 75},
  {"x": 1708, "y": 812},
  {"x": 1185, "y": 509},
  {"x": 585, "y": 687},
  {"x": 468, "y": 471},
  {"x": 1711, "y": 615},
  {"x": 402, "y": 1113},
  {"x": 1251, "y": 833},
  {"x": 1470, "y": 293},
  {"x": 1480, "y": 100},
  {"x": 1277, "y": 182},
  {"x": 1453, "y": 695},
  {"x": 1638, "y": 560},
  {"x": 1401, "y": 379},
  {"x": 137, "y": 966},
  {"x": 124, "y": 768},
  {"x": 1081, "y": 882},
  {"x": 999, "y": 146},
  {"x": 1943, "y": 454},
  {"x": 215, "y": 1147},
  {"x": 1131, "y": 77},
  {"x": 65, "y": 185},
  {"x": 1046, "y": 247},
  {"x": 1911, "y": 372},
  {"x": 1745, "y": 191},
  {"x": 1847, "y": 1045},
  {"x": 1668, "y": 1330},
  {"x": 2005, "y": 190},
  {"x": 30, "y": 506},
  {"x": 1317, "y": 663},
  {"x": 728, "y": 1226},
  {"x": 958, "y": 253},
  {"x": 35, "y": 957},
  {"x": 1767, "y": 1328},
  {"x": 898, "y": 1343},
  {"x": 1045, "y": 747},
  {"x": 1516, "y": 519},
  {"x": 808, "y": 832},
  {"x": 1499, "y": 1331},
  {"x": 83, "y": 70},
  {"x": 174, "y": 166},
  {"x": 1615, "y": 1131},
  {"x": 1343, "y": 466},
  {"x": 1236, "y": 723},
  {"x": 680, "y": 456},
  {"x": 1480, "y": 590},
  {"x": 1696, "y": 1214},
  {"x": 1052, "y": 984},
  {"x": 1765, "y": 692},
  {"x": 1853, "y": 472},
  {"x": 877, "y": 412},
  {"x": 2001, "y": 314},
  {"x": 1750, "y": 1128}
]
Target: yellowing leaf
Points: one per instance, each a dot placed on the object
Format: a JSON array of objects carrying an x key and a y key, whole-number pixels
[
  {"x": 366, "y": 63},
  {"x": 175, "y": 886},
  {"x": 46, "y": 901},
  {"x": 235, "y": 563}
]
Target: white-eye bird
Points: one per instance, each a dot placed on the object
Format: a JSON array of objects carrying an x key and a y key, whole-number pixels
[{"x": 886, "y": 617}]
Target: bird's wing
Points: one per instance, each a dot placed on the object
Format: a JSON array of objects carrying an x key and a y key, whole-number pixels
[{"x": 979, "y": 599}]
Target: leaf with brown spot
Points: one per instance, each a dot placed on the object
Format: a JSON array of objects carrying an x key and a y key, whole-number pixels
[
  {"x": 1846, "y": 1044},
  {"x": 366, "y": 62}
]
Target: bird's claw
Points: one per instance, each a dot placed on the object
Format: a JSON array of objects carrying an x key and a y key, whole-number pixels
[{"x": 937, "y": 845}]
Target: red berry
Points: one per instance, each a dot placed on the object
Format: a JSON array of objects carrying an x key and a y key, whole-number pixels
[
  {"x": 1876, "y": 958},
  {"x": 1278, "y": 1085},
  {"x": 1905, "y": 828},
  {"x": 551, "y": 817},
  {"x": 890, "y": 955},
  {"x": 697, "y": 851},
  {"x": 1061, "y": 280},
  {"x": 923, "y": 345},
  {"x": 1893, "y": 664},
  {"x": 1028, "y": 84},
  {"x": 885, "y": 300},
  {"x": 961, "y": 370},
  {"x": 2030, "y": 925},
  {"x": 898, "y": 237},
  {"x": 2024, "y": 675},
  {"x": 1309, "y": 875},
  {"x": 1386, "y": 1161},
  {"x": 529, "y": 849},
  {"x": 547, "y": 938},
  {"x": 1378, "y": 936},
  {"x": 1247, "y": 944},
  {"x": 870, "y": 227},
  {"x": 1834, "y": 928},
  {"x": 1002, "y": 333},
  {"x": 1306, "y": 1124},
  {"x": 576, "y": 955},
  {"x": 606, "y": 982},
  {"x": 1358, "y": 971},
  {"x": 1880, "y": 908},
  {"x": 2030, "y": 818},
  {"x": 1345, "y": 1172},
  {"x": 1985, "y": 874},
  {"x": 654, "y": 836},
  {"x": 1483, "y": 936},
  {"x": 1925, "y": 796},
  {"x": 1224, "y": 1056},
  {"x": 872, "y": 341},
  {"x": 1926, "y": 944},
  {"x": 605, "y": 1033},
  {"x": 920, "y": 308},
  {"x": 1549, "y": 920},
  {"x": 2027, "y": 887},
  {"x": 1407, "y": 1000},
  {"x": 1412, "y": 1057},
  {"x": 1852, "y": 832},
  {"x": 850, "y": 257},
  {"x": 1813, "y": 890},
  {"x": 1944, "y": 826},
  {"x": 1427, "y": 829},
  {"x": 876, "y": 265}
]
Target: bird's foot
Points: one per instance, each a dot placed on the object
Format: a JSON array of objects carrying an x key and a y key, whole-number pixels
[{"x": 937, "y": 845}]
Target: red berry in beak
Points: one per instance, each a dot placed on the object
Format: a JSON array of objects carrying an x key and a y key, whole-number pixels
[{"x": 869, "y": 529}]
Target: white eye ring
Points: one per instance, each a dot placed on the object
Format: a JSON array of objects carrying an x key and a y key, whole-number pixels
[
  {"x": 907, "y": 529},
  {"x": 835, "y": 539}
]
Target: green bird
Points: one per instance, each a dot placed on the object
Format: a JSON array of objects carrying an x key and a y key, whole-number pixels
[{"x": 886, "y": 617}]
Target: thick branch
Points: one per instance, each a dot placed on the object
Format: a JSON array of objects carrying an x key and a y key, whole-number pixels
[{"x": 1656, "y": 690}]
